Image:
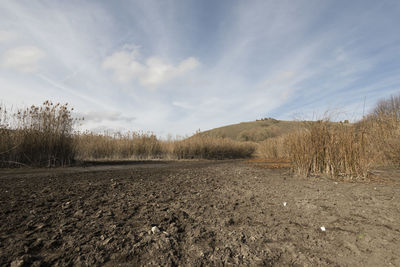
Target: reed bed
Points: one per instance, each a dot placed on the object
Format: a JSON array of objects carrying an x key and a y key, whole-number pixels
[
  {"x": 37, "y": 136},
  {"x": 208, "y": 147},
  {"x": 273, "y": 148},
  {"x": 333, "y": 149},
  {"x": 342, "y": 149},
  {"x": 132, "y": 145},
  {"x": 44, "y": 136}
]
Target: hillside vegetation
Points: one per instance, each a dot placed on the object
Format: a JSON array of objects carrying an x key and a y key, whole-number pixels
[{"x": 255, "y": 131}]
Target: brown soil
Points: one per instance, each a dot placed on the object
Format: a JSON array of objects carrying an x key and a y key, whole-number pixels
[{"x": 205, "y": 213}]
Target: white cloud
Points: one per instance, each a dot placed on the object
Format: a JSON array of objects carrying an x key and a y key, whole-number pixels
[
  {"x": 101, "y": 116},
  {"x": 22, "y": 58},
  {"x": 152, "y": 73},
  {"x": 6, "y": 36}
]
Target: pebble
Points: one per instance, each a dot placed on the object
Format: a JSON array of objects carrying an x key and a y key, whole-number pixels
[
  {"x": 155, "y": 230},
  {"x": 108, "y": 240},
  {"x": 79, "y": 213},
  {"x": 17, "y": 263}
]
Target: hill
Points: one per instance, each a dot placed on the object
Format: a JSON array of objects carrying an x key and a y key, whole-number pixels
[{"x": 255, "y": 130}]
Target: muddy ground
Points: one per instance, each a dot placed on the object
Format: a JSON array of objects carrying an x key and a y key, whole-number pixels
[{"x": 195, "y": 213}]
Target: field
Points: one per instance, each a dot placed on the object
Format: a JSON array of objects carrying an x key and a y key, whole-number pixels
[{"x": 206, "y": 213}]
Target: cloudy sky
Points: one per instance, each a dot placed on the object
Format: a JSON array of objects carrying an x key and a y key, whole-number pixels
[{"x": 178, "y": 66}]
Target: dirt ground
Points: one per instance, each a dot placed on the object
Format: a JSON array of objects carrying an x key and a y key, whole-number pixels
[{"x": 196, "y": 213}]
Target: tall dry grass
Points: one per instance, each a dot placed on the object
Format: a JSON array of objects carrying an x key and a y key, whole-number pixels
[
  {"x": 37, "y": 136},
  {"x": 208, "y": 147},
  {"x": 342, "y": 149},
  {"x": 335, "y": 149},
  {"x": 132, "y": 145},
  {"x": 273, "y": 148}
]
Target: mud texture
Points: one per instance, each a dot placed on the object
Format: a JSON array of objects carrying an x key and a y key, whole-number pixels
[{"x": 193, "y": 214}]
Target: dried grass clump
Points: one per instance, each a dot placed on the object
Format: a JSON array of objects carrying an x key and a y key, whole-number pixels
[
  {"x": 37, "y": 136},
  {"x": 207, "y": 147},
  {"x": 335, "y": 149},
  {"x": 131, "y": 145}
]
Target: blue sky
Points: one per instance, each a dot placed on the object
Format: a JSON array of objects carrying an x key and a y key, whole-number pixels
[{"x": 178, "y": 66}]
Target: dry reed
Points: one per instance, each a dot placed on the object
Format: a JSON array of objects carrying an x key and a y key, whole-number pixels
[
  {"x": 208, "y": 147},
  {"x": 131, "y": 145},
  {"x": 335, "y": 149},
  {"x": 37, "y": 136}
]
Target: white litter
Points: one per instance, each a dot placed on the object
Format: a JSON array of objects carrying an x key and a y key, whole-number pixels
[
  {"x": 155, "y": 230},
  {"x": 323, "y": 229},
  {"x": 284, "y": 204},
  {"x": 336, "y": 182}
]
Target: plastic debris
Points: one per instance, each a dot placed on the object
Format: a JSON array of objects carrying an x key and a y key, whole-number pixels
[
  {"x": 284, "y": 204},
  {"x": 323, "y": 229}
]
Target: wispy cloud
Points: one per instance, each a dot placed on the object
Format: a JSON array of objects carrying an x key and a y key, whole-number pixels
[
  {"x": 22, "y": 58},
  {"x": 7, "y": 36}
]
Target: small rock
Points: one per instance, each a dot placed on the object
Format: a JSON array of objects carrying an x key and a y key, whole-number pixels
[
  {"x": 98, "y": 214},
  {"x": 166, "y": 234},
  {"x": 40, "y": 226},
  {"x": 79, "y": 213},
  {"x": 66, "y": 205},
  {"x": 17, "y": 263},
  {"x": 155, "y": 230},
  {"x": 108, "y": 240},
  {"x": 37, "y": 263}
]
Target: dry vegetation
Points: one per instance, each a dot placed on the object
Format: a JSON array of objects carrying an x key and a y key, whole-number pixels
[
  {"x": 44, "y": 136},
  {"x": 91, "y": 146},
  {"x": 342, "y": 149},
  {"x": 37, "y": 136},
  {"x": 207, "y": 147}
]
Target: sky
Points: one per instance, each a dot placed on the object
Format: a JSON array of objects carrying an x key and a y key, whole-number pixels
[{"x": 173, "y": 67}]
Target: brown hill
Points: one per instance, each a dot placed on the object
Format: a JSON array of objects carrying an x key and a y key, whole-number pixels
[{"x": 255, "y": 130}]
